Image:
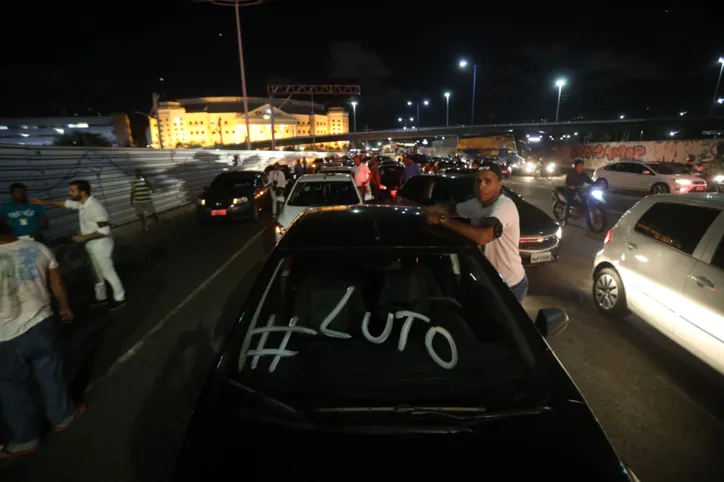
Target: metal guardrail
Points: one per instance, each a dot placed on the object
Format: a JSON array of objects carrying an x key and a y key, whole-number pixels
[{"x": 177, "y": 175}]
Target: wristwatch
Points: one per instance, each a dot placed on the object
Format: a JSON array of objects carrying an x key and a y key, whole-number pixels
[{"x": 443, "y": 218}]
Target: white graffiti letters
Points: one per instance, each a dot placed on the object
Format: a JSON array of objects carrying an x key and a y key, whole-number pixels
[
  {"x": 280, "y": 352},
  {"x": 330, "y": 317}
]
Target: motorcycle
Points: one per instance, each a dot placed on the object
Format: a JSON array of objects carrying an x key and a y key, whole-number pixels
[{"x": 589, "y": 204}]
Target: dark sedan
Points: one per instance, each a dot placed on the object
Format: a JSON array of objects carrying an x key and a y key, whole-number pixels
[
  {"x": 539, "y": 233},
  {"x": 373, "y": 344},
  {"x": 234, "y": 195}
]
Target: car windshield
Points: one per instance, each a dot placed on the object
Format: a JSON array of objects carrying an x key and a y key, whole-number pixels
[
  {"x": 388, "y": 326},
  {"x": 667, "y": 168},
  {"x": 233, "y": 181},
  {"x": 324, "y": 194}
]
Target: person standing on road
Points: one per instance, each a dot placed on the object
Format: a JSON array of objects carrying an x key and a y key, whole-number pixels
[
  {"x": 27, "y": 220},
  {"x": 278, "y": 181},
  {"x": 574, "y": 181},
  {"x": 361, "y": 175},
  {"x": 375, "y": 180},
  {"x": 411, "y": 168},
  {"x": 95, "y": 231},
  {"x": 28, "y": 343},
  {"x": 495, "y": 225},
  {"x": 141, "y": 199}
]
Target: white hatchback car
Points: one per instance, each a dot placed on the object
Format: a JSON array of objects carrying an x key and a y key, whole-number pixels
[
  {"x": 653, "y": 177},
  {"x": 314, "y": 190},
  {"x": 664, "y": 261}
]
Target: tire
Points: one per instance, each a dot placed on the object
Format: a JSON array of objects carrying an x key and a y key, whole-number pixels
[
  {"x": 609, "y": 295},
  {"x": 660, "y": 188},
  {"x": 600, "y": 215},
  {"x": 559, "y": 208},
  {"x": 602, "y": 182}
]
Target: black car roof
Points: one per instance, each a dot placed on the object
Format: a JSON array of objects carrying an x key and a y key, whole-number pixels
[{"x": 331, "y": 227}]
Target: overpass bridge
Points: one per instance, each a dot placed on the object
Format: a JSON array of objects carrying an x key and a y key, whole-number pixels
[{"x": 627, "y": 129}]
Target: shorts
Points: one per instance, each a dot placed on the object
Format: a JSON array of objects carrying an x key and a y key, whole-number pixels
[{"x": 144, "y": 207}]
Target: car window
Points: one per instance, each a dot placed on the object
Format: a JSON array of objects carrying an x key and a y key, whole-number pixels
[
  {"x": 632, "y": 168},
  {"x": 415, "y": 188},
  {"x": 667, "y": 168},
  {"x": 718, "y": 258},
  {"x": 618, "y": 167},
  {"x": 324, "y": 194},
  {"x": 233, "y": 181},
  {"x": 387, "y": 326},
  {"x": 680, "y": 226}
]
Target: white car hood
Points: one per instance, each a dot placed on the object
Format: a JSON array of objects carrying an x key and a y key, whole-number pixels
[{"x": 289, "y": 214}]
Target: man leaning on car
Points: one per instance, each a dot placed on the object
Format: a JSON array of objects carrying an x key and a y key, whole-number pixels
[{"x": 495, "y": 224}]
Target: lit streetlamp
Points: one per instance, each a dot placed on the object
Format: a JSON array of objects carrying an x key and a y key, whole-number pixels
[
  {"x": 716, "y": 89},
  {"x": 354, "y": 114},
  {"x": 447, "y": 109},
  {"x": 417, "y": 104},
  {"x": 559, "y": 83},
  {"x": 464, "y": 63},
  {"x": 621, "y": 116}
]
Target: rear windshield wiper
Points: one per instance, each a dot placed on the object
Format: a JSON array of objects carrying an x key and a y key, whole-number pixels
[{"x": 269, "y": 400}]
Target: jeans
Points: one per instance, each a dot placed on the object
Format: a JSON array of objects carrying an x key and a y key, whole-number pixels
[
  {"x": 32, "y": 354},
  {"x": 570, "y": 195},
  {"x": 520, "y": 290},
  {"x": 100, "y": 253}
]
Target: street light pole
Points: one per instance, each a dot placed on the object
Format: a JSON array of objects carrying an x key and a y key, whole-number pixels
[
  {"x": 243, "y": 76},
  {"x": 559, "y": 83},
  {"x": 447, "y": 109},
  {"x": 716, "y": 89},
  {"x": 463, "y": 63},
  {"x": 354, "y": 114}
]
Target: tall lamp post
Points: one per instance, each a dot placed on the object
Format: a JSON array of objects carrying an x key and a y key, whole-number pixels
[
  {"x": 424, "y": 102},
  {"x": 447, "y": 109},
  {"x": 464, "y": 63},
  {"x": 559, "y": 83},
  {"x": 716, "y": 89},
  {"x": 237, "y": 4},
  {"x": 354, "y": 114}
]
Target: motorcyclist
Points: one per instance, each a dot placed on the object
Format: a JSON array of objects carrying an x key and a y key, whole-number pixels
[{"x": 574, "y": 182}]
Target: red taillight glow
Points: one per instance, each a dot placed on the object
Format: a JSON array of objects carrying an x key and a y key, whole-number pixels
[
  {"x": 608, "y": 237},
  {"x": 393, "y": 193}
]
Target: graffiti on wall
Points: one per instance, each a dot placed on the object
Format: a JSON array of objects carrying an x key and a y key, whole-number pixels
[{"x": 599, "y": 154}]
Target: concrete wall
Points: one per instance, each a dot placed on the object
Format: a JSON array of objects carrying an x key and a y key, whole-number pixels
[
  {"x": 600, "y": 154},
  {"x": 178, "y": 176}
]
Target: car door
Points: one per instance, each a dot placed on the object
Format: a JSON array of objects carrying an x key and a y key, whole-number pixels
[
  {"x": 700, "y": 327},
  {"x": 633, "y": 177},
  {"x": 661, "y": 250},
  {"x": 612, "y": 173}
]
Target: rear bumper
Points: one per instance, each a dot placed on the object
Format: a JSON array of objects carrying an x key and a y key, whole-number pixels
[{"x": 238, "y": 212}]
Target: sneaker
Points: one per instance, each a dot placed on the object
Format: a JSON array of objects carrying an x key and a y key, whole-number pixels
[
  {"x": 117, "y": 305},
  {"x": 12, "y": 450},
  {"x": 65, "y": 424}
]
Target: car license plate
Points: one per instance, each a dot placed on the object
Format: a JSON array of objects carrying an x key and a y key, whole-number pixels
[
  {"x": 541, "y": 257},
  {"x": 698, "y": 188},
  {"x": 218, "y": 212}
]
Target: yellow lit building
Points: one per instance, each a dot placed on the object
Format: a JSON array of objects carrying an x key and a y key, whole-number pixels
[{"x": 211, "y": 121}]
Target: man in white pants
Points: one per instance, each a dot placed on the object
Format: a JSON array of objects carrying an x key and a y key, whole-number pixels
[
  {"x": 95, "y": 232},
  {"x": 278, "y": 182}
]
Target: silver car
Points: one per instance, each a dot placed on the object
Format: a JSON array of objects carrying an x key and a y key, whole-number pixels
[{"x": 664, "y": 261}]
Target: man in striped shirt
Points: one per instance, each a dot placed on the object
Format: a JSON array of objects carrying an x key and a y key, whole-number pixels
[{"x": 141, "y": 199}]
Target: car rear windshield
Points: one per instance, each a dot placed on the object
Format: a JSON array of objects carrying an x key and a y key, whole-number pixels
[
  {"x": 388, "y": 326},
  {"x": 324, "y": 194},
  {"x": 233, "y": 181}
]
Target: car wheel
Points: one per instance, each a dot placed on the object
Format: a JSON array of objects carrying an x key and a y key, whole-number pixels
[
  {"x": 660, "y": 188},
  {"x": 602, "y": 182},
  {"x": 609, "y": 294}
]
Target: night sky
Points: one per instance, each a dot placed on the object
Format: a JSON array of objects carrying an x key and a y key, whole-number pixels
[{"x": 109, "y": 56}]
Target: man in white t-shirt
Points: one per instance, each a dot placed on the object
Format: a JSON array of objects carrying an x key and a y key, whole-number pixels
[
  {"x": 27, "y": 342},
  {"x": 495, "y": 225},
  {"x": 95, "y": 229},
  {"x": 278, "y": 181},
  {"x": 361, "y": 174}
]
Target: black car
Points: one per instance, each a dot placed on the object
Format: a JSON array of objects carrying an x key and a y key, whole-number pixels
[
  {"x": 234, "y": 195},
  {"x": 372, "y": 343},
  {"x": 539, "y": 233}
]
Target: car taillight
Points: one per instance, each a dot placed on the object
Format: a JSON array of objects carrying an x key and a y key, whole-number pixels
[{"x": 608, "y": 237}]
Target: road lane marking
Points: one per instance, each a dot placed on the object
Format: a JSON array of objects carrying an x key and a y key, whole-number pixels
[{"x": 164, "y": 321}]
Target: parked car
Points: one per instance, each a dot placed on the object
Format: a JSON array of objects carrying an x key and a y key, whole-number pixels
[
  {"x": 539, "y": 235},
  {"x": 234, "y": 195},
  {"x": 370, "y": 336},
  {"x": 664, "y": 261},
  {"x": 653, "y": 177},
  {"x": 314, "y": 190}
]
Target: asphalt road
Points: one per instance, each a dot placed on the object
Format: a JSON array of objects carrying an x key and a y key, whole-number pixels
[{"x": 140, "y": 369}]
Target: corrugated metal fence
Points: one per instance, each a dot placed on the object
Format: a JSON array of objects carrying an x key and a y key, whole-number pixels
[{"x": 177, "y": 175}]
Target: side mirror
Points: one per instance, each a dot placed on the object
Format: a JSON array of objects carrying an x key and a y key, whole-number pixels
[{"x": 551, "y": 321}]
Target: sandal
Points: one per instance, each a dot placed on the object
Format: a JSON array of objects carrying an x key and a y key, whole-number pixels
[
  {"x": 62, "y": 428},
  {"x": 6, "y": 452}
]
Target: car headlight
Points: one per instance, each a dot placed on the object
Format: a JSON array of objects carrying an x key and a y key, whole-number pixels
[
  {"x": 202, "y": 202},
  {"x": 529, "y": 167},
  {"x": 683, "y": 182},
  {"x": 279, "y": 229},
  {"x": 550, "y": 167},
  {"x": 239, "y": 200},
  {"x": 719, "y": 178},
  {"x": 597, "y": 194},
  {"x": 559, "y": 232}
]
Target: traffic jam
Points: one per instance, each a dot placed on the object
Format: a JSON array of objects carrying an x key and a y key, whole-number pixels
[{"x": 389, "y": 319}]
